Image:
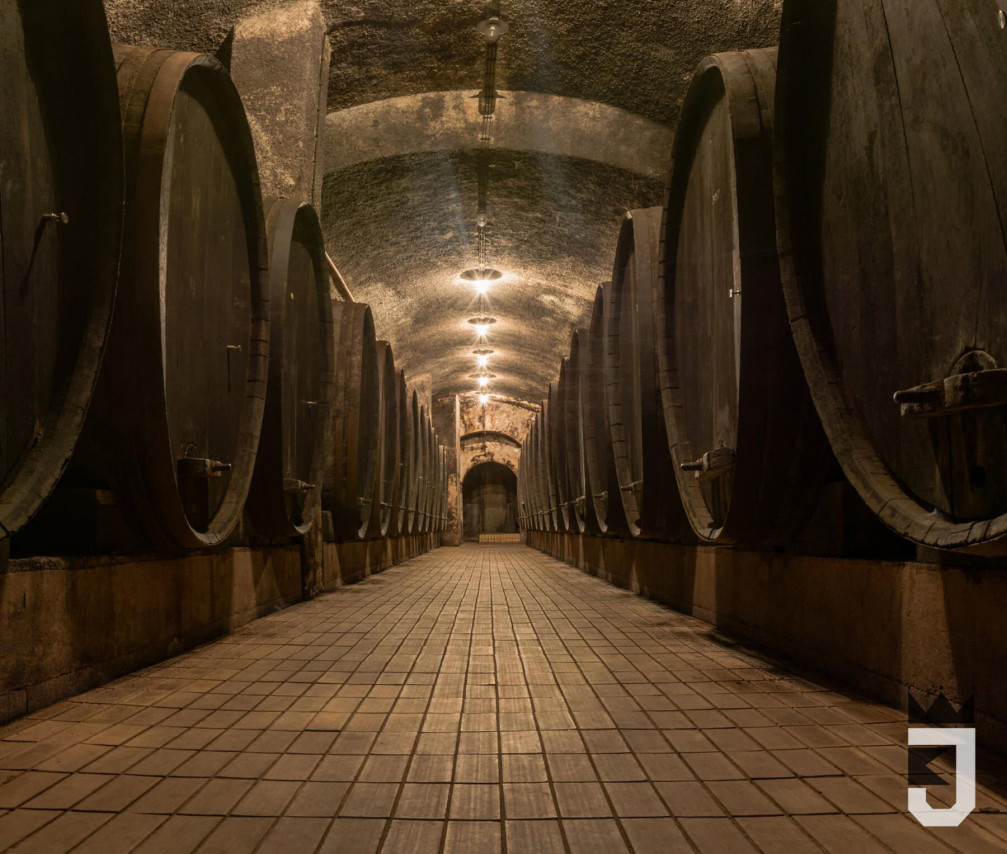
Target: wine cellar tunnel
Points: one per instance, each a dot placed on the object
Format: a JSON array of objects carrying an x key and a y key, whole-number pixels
[
  {"x": 503, "y": 426},
  {"x": 489, "y": 501}
]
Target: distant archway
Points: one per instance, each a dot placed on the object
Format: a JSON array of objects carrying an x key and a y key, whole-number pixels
[{"x": 489, "y": 493}]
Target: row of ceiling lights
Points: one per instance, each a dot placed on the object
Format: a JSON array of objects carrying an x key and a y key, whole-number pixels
[
  {"x": 483, "y": 277},
  {"x": 482, "y": 280}
]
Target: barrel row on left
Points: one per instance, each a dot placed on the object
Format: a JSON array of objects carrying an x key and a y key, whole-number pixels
[{"x": 169, "y": 342}]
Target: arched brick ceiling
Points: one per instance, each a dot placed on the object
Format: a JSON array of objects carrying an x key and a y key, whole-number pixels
[
  {"x": 405, "y": 227},
  {"x": 402, "y": 228}
]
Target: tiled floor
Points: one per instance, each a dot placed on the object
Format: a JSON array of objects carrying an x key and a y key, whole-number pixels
[{"x": 481, "y": 699}]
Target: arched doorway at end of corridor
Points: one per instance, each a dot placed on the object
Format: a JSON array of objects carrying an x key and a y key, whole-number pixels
[{"x": 489, "y": 493}]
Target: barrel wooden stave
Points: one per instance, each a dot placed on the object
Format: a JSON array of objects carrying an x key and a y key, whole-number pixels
[
  {"x": 60, "y": 153},
  {"x": 297, "y": 426},
  {"x": 891, "y": 176}
]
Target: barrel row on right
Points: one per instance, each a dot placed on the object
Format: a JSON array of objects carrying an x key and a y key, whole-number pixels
[{"x": 827, "y": 281}]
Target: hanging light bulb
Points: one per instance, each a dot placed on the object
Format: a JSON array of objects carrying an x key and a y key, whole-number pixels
[
  {"x": 492, "y": 29},
  {"x": 483, "y": 361},
  {"x": 483, "y": 382},
  {"x": 482, "y": 330},
  {"x": 484, "y": 399}
]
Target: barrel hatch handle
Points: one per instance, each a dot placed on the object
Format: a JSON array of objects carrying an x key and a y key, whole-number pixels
[
  {"x": 712, "y": 464},
  {"x": 201, "y": 467},
  {"x": 981, "y": 389}
]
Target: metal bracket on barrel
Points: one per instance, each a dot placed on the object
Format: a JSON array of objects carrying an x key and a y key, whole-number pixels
[
  {"x": 957, "y": 393},
  {"x": 712, "y": 464},
  {"x": 292, "y": 484}
]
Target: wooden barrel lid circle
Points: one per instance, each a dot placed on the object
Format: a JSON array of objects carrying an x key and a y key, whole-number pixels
[
  {"x": 891, "y": 178},
  {"x": 61, "y": 216},
  {"x": 186, "y": 372},
  {"x": 745, "y": 439}
]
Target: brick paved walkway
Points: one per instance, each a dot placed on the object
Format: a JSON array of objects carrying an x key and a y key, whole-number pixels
[{"x": 481, "y": 699}]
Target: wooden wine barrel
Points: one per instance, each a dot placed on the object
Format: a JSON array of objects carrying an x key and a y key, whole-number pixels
[
  {"x": 417, "y": 463},
  {"x": 297, "y": 426},
  {"x": 434, "y": 498},
  {"x": 581, "y": 509},
  {"x": 350, "y": 481},
  {"x": 525, "y": 477},
  {"x": 400, "y": 513},
  {"x": 550, "y": 496},
  {"x": 446, "y": 491},
  {"x": 439, "y": 492},
  {"x": 743, "y": 432},
  {"x": 532, "y": 474},
  {"x": 423, "y": 499},
  {"x": 635, "y": 417},
  {"x": 176, "y": 419},
  {"x": 430, "y": 485},
  {"x": 603, "y": 483},
  {"x": 557, "y": 449},
  {"x": 541, "y": 487},
  {"x": 442, "y": 489},
  {"x": 891, "y": 175},
  {"x": 61, "y": 219},
  {"x": 522, "y": 504},
  {"x": 387, "y": 467}
]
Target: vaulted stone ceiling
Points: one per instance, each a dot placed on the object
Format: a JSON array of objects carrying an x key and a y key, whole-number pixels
[{"x": 592, "y": 93}]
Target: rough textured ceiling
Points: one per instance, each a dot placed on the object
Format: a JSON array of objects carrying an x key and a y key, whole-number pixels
[
  {"x": 402, "y": 228},
  {"x": 548, "y": 249}
]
